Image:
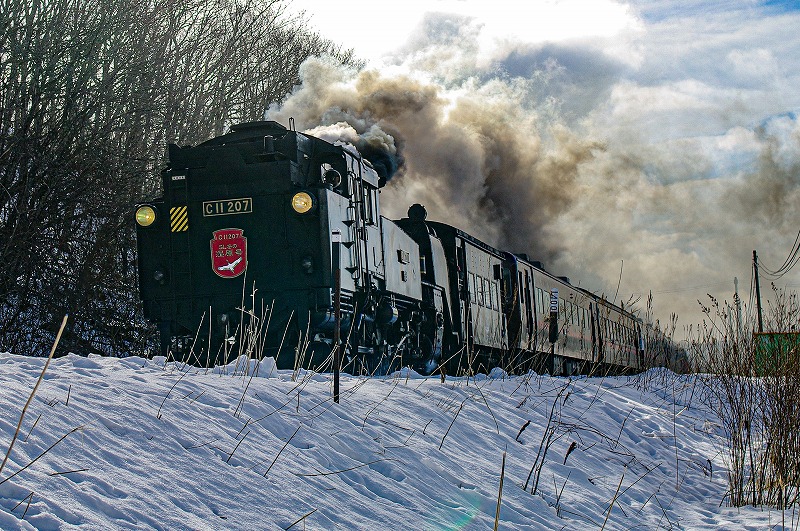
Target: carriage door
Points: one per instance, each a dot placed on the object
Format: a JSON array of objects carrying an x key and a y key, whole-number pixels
[{"x": 530, "y": 323}]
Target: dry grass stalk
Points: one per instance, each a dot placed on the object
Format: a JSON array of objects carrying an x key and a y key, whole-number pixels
[
  {"x": 33, "y": 393},
  {"x": 255, "y": 339},
  {"x": 613, "y": 501},
  {"x": 34, "y": 426},
  {"x": 560, "y": 492},
  {"x": 73, "y": 430},
  {"x": 483, "y": 397},
  {"x": 500, "y": 493},
  {"x": 381, "y": 401},
  {"x": 356, "y": 467},
  {"x": 281, "y": 451},
  {"x": 300, "y": 519},
  {"x": 228, "y": 460},
  {"x": 519, "y": 434},
  {"x": 453, "y": 422},
  {"x": 571, "y": 449},
  {"x": 548, "y": 438},
  {"x": 69, "y": 472},
  {"x": 754, "y": 388},
  {"x": 27, "y": 498},
  {"x": 183, "y": 374}
]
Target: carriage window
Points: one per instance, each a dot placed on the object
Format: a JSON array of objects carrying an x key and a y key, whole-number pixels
[
  {"x": 369, "y": 207},
  {"x": 528, "y": 291},
  {"x": 471, "y": 287},
  {"x": 506, "y": 283}
]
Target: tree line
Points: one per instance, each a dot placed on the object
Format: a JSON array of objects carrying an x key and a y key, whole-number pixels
[{"x": 91, "y": 91}]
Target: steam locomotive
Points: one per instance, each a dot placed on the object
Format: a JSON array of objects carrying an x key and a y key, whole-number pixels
[{"x": 270, "y": 242}]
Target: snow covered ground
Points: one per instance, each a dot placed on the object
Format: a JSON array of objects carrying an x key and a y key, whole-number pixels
[{"x": 136, "y": 444}]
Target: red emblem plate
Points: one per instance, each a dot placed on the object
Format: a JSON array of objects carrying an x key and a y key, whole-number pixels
[{"x": 229, "y": 252}]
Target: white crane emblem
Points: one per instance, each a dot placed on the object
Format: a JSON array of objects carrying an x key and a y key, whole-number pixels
[{"x": 231, "y": 266}]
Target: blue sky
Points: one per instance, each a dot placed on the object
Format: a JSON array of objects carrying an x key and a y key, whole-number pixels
[{"x": 782, "y": 5}]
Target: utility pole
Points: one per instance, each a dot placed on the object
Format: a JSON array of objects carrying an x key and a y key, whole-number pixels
[
  {"x": 738, "y": 301},
  {"x": 336, "y": 240},
  {"x": 758, "y": 294}
]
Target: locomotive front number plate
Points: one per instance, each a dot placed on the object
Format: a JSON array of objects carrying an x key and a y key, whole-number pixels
[{"x": 243, "y": 205}]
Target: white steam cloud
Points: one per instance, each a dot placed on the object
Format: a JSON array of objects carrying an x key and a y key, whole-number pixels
[
  {"x": 645, "y": 161},
  {"x": 473, "y": 157}
]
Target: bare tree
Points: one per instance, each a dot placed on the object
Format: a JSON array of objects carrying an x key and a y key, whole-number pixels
[{"x": 90, "y": 93}]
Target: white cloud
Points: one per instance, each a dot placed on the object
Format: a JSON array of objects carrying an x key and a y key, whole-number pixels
[
  {"x": 376, "y": 29},
  {"x": 757, "y": 65}
]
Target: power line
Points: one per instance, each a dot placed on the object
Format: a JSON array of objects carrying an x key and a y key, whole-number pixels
[{"x": 788, "y": 264}]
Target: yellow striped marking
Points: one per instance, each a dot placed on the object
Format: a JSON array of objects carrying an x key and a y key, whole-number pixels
[{"x": 179, "y": 220}]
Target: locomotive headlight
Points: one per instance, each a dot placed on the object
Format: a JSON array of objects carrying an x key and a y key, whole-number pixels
[
  {"x": 145, "y": 216},
  {"x": 302, "y": 202}
]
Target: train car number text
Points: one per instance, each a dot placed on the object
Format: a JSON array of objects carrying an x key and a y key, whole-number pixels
[{"x": 224, "y": 207}]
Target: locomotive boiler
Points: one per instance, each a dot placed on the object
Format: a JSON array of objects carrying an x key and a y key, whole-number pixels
[{"x": 259, "y": 229}]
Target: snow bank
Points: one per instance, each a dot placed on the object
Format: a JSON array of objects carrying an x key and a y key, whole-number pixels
[{"x": 167, "y": 446}]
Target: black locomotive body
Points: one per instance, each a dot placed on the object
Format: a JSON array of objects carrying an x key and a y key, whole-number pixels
[{"x": 257, "y": 228}]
